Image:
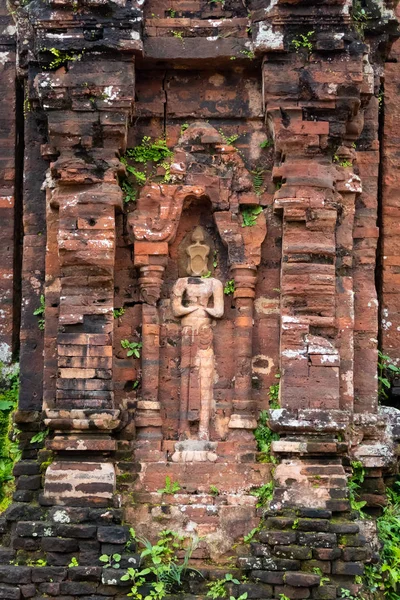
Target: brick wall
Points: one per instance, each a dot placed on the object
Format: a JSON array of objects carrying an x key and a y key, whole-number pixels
[{"x": 8, "y": 189}]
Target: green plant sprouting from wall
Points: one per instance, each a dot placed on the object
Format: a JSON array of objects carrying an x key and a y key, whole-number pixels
[
  {"x": 360, "y": 17},
  {"x": 264, "y": 437},
  {"x": 354, "y": 485},
  {"x": 40, "y": 311},
  {"x": 229, "y": 287},
  {"x": 60, "y": 57},
  {"x": 229, "y": 140},
  {"x": 249, "y": 215},
  {"x": 217, "y": 589},
  {"x": 266, "y": 144},
  {"x": 162, "y": 572},
  {"x": 342, "y": 163},
  {"x": 303, "y": 41},
  {"x": 383, "y": 578},
  {"x": 273, "y": 393},
  {"x": 133, "y": 348},
  {"x": 387, "y": 369},
  {"x": 9, "y": 447},
  {"x": 264, "y": 493},
  {"x": 40, "y": 437},
  {"x": 141, "y": 163},
  {"x": 171, "y": 487},
  {"x": 258, "y": 180}
]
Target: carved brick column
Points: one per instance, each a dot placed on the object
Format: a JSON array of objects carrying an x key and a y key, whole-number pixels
[
  {"x": 316, "y": 197},
  {"x": 86, "y": 194},
  {"x": 148, "y": 418},
  {"x": 244, "y": 410},
  {"x": 153, "y": 226},
  {"x": 243, "y": 243}
]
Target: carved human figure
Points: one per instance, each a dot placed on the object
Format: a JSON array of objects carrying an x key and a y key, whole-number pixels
[{"x": 197, "y": 301}]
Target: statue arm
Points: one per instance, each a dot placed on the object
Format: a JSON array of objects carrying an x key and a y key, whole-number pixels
[
  {"x": 177, "y": 294},
  {"x": 218, "y": 297}
]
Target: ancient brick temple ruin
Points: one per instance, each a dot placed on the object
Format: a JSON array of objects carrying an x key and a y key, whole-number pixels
[{"x": 198, "y": 197}]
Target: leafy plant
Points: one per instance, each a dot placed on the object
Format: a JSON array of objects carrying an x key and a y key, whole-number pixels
[
  {"x": 258, "y": 180},
  {"x": 178, "y": 35},
  {"x": 228, "y": 140},
  {"x": 140, "y": 177},
  {"x": 215, "y": 259},
  {"x": 39, "y": 312},
  {"x": 217, "y": 589},
  {"x": 214, "y": 491},
  {"x": 130, "y": 194},
  {"x": 40, "y": 436},
  {"x": 171, "y": 13},
  {"x": 264, "y": 437},
  {"x": 342, "y": 163},
  {"x": 206, "y": 275},
  {"x": 184, "y": 127},
  {"x": 273, "y": 393},
  {"x": 247, "y": 538},
  {"x": 249, "y": 215},
  {"x": 264, "y": 493},
  {"x": 283, "y": 597},
  {"x": 167, "y": 168},
  {"x": 248, "y": 53},
  {"x": 74, "y": 562},
  {"x": 171, "y": 487},
  {"x": 132, "y": 347},
  {"x": 40, "y": 562},
  {"x": 266, "y": 144},
  {"x": 118, "y": 312},
  {"x": 354, "y": 484},
  {"x": 385, "y": 577},
  {"x": 111, "y": 561},
  {"x": 295, "y": 524},
  {"x": 360, "y": 17},
  {"x": 163, "y": 574},
  {"x": 303, "y": 41},
  {"x": 149, "y": 151},
  {"x": 60, "y": 57},
  {"x": 323, "y": 579},
  {"x": 229, "y": 287},
  {"x": 386, "y": 369}
]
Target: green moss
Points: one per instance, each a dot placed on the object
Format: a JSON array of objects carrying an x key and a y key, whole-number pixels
[{"x": 9, "y": 451}]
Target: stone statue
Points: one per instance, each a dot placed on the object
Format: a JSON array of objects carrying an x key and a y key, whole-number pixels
[{"x": 197, "y": 301}]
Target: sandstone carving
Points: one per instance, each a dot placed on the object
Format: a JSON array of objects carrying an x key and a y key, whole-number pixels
[{"x": 197, "y": 301}]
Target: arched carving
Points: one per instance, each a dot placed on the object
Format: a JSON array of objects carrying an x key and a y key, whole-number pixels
[{"x": 224, "y": 181}]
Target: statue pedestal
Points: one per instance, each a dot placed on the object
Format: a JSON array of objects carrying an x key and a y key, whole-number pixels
[{"x": 195, "y": 451}]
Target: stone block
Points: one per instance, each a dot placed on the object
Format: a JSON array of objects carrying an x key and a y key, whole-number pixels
[
  {"x": 301, "y": 579},
  {"x": 317, "y": 540},
  {"x": 112, "y": 535},
  {"x": 293, "y": 552},
  {"x": 347, "y": 568},
  {"x": 8, "y": 592}
]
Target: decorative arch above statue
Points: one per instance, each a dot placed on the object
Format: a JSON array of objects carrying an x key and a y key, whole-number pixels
[{"x": 224, "y": 190}]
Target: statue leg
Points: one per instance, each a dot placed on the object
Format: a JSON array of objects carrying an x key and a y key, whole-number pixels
[
  {"x": 186, "y": 360},
  {"x": 206, "y": 384}
]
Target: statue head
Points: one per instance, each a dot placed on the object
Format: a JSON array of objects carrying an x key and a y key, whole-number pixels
[{"x": 198, "y": 253}]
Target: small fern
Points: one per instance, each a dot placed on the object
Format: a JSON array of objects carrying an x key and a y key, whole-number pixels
[{"x": 258, "y": 180}]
